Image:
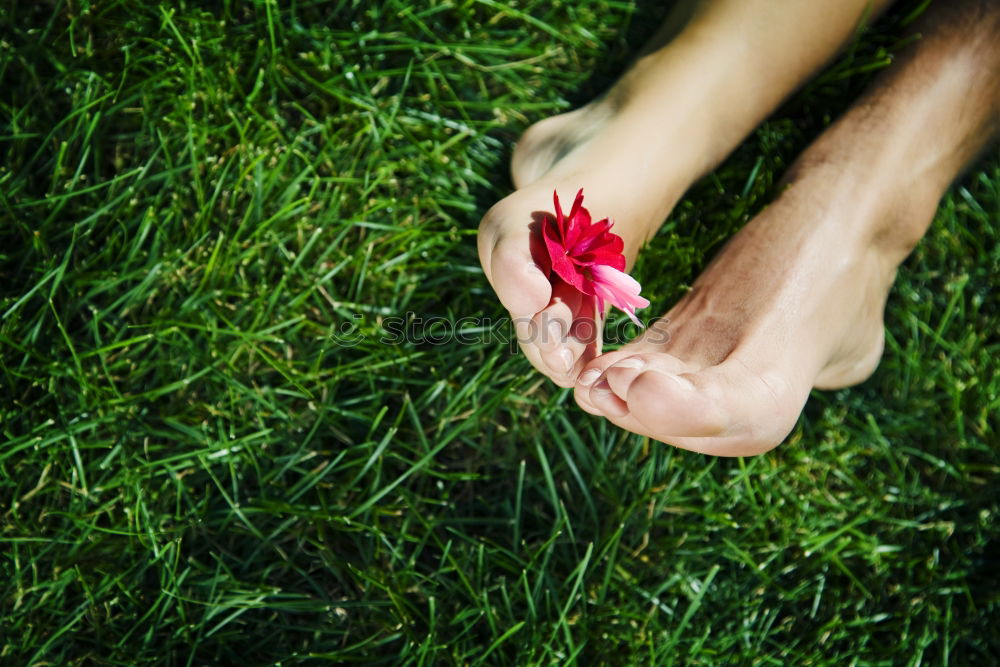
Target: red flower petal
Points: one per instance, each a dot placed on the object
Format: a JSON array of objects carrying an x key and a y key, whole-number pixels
[
  {"x": 560, "y": 261},
  {"x": 588, "y": 256}
]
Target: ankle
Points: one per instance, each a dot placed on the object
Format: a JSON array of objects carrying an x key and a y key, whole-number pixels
[{"x": 870, "y": 208}]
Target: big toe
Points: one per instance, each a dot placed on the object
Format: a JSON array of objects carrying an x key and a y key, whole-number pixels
[
  {"x": 725, "y": 410},
  {"x": 545, "y": 319},
  {"x": 511, "y": 262}
]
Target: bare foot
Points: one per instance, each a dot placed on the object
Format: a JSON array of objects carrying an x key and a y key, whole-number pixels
[
  {"x": 604, "y": 149},
  {"x": 673, "y": 116},
  {"x": 795, "y": 300}
]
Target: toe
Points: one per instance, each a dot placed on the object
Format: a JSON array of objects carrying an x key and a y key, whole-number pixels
[
  {"x": 505, "y": 251},
  {"x": 608, "y": 393},
  {"x": 552, "y": 339},
  {"x": 621, "y": 366},
  {"x": 674, "y": 404},
  {"x": 722, "y": 410},
  {"x": 725, "y": 410},
  {"x": 606, "y": 401},
  {"x": 566, "y": 332},
  {"x": 518, "y": 282},
  {"x": 593, "y": 391},
  {"x": 508, "y": 256}
]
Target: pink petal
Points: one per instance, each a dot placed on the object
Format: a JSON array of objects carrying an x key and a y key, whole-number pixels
[{"x": 621, "y": 289}]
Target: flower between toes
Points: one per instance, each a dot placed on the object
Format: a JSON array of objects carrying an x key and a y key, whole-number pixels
[{"x": 588, "y": 256}]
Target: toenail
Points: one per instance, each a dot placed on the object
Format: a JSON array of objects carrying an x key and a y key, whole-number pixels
[
  {"x": 567, "y": 359},
  {"x": 555, "y": 332},
  {"x": 684, "y": 383},
  {"x": 631, "y": 362},
  {"x": 588, "y": 378}
]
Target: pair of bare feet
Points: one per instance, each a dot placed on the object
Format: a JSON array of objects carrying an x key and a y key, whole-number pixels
[{"x": 796, "y": 298}]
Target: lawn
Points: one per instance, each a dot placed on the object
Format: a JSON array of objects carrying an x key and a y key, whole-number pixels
[{"x": 258, "y": 404}]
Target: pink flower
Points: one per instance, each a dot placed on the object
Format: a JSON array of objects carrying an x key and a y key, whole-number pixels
[{"x": 588, "y": 256}]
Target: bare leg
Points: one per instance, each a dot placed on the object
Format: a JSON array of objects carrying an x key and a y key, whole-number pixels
[
  {"x": 796, "y": 299},
  {"x": 672, "y": 117}
]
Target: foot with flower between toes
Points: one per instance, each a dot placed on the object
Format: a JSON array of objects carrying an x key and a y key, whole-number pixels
[{"x": 795, "y": 300}]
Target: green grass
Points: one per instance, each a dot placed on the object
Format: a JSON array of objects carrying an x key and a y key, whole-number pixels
[{"x": 209, "y": 219}]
